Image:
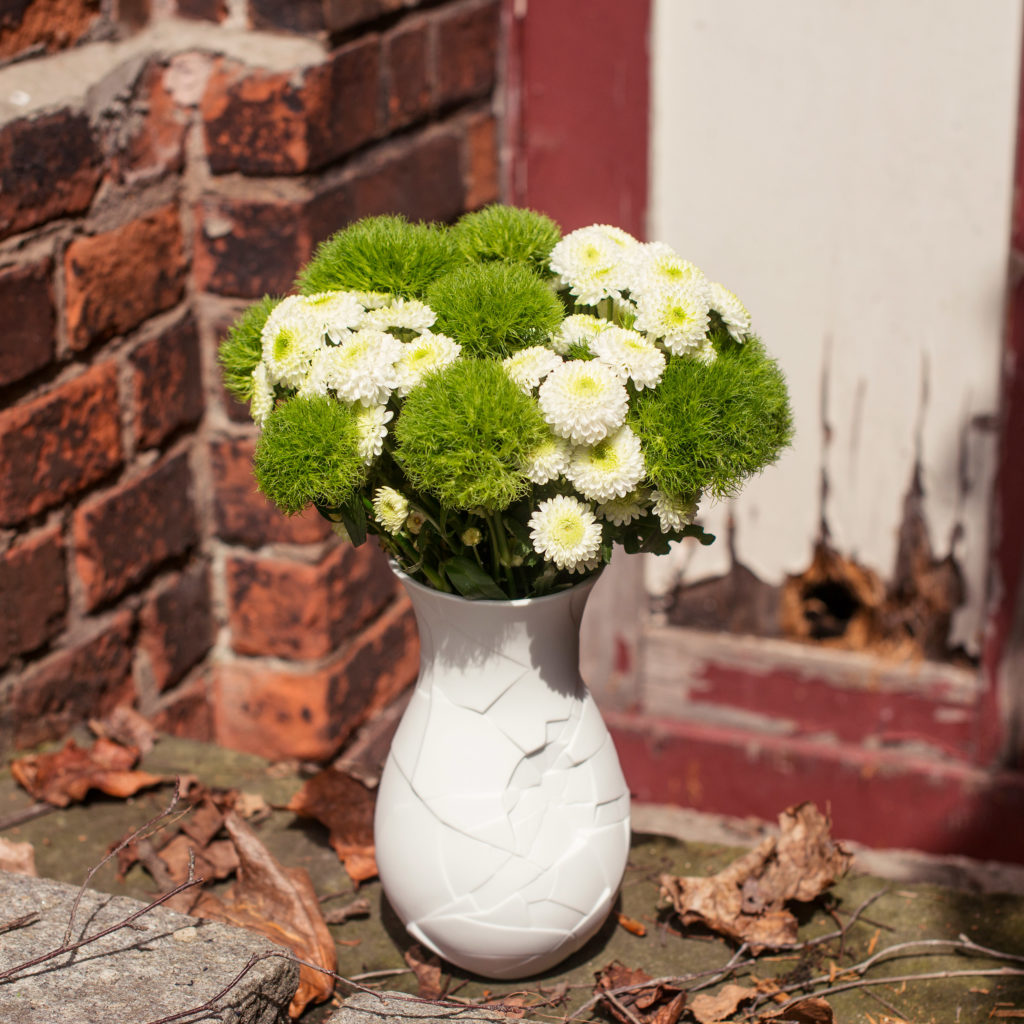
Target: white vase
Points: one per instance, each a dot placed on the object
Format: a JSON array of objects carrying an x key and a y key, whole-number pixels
[{"x": 502, "y": 821}]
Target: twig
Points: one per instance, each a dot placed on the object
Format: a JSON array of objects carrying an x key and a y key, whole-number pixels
[
  {"x": 621, "y": 1007},
  {"x": 735, "y": 961},
  {"x": 36, "y": 810},
  {"x": 125, "y": 923},
  {"x": 19, "y": 922},
  {"x": 114, "y": 852},
  {"x": 389, "y": 973},
  {"x": 993, "y": 972}
]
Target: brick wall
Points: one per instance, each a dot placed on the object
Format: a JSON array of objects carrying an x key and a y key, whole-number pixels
[{"x": 141, "y": 209}]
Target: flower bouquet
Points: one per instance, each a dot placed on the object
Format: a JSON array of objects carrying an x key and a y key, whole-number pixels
[{"x": 501, "y": 405}]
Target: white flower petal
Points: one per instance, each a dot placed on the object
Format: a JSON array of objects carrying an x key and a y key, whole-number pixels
[
  {"x": 565, "y": 531},
  {"x": 583, "y": 400}
]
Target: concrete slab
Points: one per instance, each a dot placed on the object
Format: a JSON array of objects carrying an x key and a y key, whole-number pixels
[
  {"x": 397, "y": 1008},
  {"x": 162, "y": 964}
]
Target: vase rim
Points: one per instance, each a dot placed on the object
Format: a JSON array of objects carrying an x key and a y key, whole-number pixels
[{"x": 516, "y": 602}]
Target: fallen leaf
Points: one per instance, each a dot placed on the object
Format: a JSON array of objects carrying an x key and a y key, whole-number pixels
[
  {"x": 215, "y": 860},
  {"x": 252, "y": 806},
  {"x": 747, "y": 900},
  {"x": 280, "y": 903},
  {"x": 345, "y": 806},
  {"x": 357, "y": 908},
  {"x": 813, "y": 1010},
  {"x": 126, "y": 726},
  {"x": 17, "y": 858},
  {"x": 427, "y": 970},
  {"x": 652, "y": 1004},
  {"x": 711, "y": 1009},
  {"x": 64, "y": 777},
  {"x": 631, "y": 925}
]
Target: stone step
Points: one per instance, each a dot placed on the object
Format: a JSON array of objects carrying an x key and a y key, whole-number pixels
[{"x": 163, "y": 963}]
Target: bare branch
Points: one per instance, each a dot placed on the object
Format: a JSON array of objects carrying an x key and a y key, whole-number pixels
[{"x": 27, "y": 814}]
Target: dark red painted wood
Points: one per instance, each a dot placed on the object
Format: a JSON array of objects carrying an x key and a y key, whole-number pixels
[{"x": 579, "y": 74}]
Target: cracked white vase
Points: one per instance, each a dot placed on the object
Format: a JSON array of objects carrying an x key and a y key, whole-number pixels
[{"x": 502, "y": 821}]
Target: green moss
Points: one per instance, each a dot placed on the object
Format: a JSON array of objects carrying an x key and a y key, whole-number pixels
[
  {"x": 494, "y": 309},
  {"x": 380, "y": 254},
  {"x": 464, "y": 435},
  {"x": 501, "y": 232},
  {"x": 308, "y": 452},
  {"x": 709, "y": 428},
  {"x": 242, "y": 348}
]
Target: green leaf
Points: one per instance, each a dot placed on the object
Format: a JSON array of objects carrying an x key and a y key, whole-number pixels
[
  {"x": 352, "y": 516},
  {"x": 693, "y": 530},
  {"x": 471, "y": 581}
]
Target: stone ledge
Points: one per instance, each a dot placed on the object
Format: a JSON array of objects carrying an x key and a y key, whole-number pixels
[{"x": 163, "y": 964}]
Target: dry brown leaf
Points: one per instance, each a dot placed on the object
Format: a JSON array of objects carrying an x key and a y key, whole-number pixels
[
  {"x": 345, "y": 807},
  {"x": 126, "y": 726},
  {"x": 64, "y": 777},
  {"x": 652, "y": 1004},
  {"x": 813, "y": 1010},
  {"x": 216, "y": 860},
  {"x": 712, "y": 1009},
  {"x": 17, "y": 858},
  {"x": 427, "y": 970},
  {"x": 747, "y": 900},
  {"x": 252, "y": 806},
  {"x": 280, "y": 903}
]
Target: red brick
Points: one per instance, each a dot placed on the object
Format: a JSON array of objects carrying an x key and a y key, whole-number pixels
[
  {"x": 309, "y": 715},
  {"x": 48, "y": 24},
  {"x": 249, "y": 249},
  {"x": 294, "y": 610},
  {"x": 33, "y": 593},
  {"x": 203, "y": 10},
  {"x": 49, "y": 167},
  {"x": 261, "y": 122},
  {"x": 340, "y": 15},
  {"x": 117, "y": 279},
  {"x": 407, "y": 87},
  {"x": 88, "y": 680},
  {"x": 57, "y": 445},
  {"x": 177, "y": 627},
  {"x": 421, "y": 178},
  {"x": 148, "y": 140},
  {"x": 482, "y": 168},
  {"x": 305, "y": 17},
  {"x": 186, "y": 712},
  {"x": 133, "y": 14},
  {"x": 166, "y": 383},
  {"x": 122, "y": 535},
  {"x": 467, "y": 52},
  {"x": 26, "y": 297},
  {"x": 243, "y": 515}
]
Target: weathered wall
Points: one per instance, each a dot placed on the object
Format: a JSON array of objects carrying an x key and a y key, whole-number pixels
[
  {"x": 847, "y": 170},
  {"x": 161, "y": 165}
]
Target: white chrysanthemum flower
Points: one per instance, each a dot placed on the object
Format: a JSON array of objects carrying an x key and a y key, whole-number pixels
[
  {"x": 390, "y": 508},
  {"x": 630, "y": 355},
  {"x": 290, "y": 337},
  {"x": 529, "y": 366},
  {"x": 677, "y": 315},
  {"x": 583, "y": 400},
  {"x": 548, "y": 461},
  {"x": 408, "y": 313},
  {"x": 674, "y": 513},
  {"x": 610, "y": 469},
  {"x": 373, "y": 300},
  {"x": 362, "y": 368},
  {"x": 706, "y": 353},
  {"x": 655, "y": 265},
  {"x": 565, "y": 531},
  {"x": 423, "y": 355},
  {"x": 371, "y": 429},
  {"x": 471, "y": 536},
  {"x": 336, "y": 312},
  {"x": 414, "y": 522},
  {"x": 577, "y": 329},
  {"x": 733, "y": 313},
  {"x": 593, "y": 262},
  {"x": 622, "y": 511},
  {"x": 262, "y": 404}
]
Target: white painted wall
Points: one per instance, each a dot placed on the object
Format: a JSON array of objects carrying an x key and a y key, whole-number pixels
[{"x": 846, "y": 168}]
